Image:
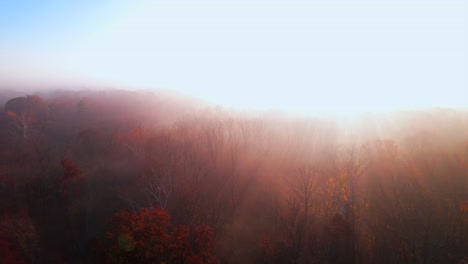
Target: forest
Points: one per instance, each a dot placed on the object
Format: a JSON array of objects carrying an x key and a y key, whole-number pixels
[{"x": 116, "y": 176}]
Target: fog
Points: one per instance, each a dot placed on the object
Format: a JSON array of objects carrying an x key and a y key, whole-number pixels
[
  {"x": 233, "y": 131},
  {"x": 122, "y": 176}
]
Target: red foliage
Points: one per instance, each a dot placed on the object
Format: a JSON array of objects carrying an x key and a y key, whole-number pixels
[
  {"x": 8, "y": 252},
  {"x": 72, "y": 182},
  {"x": 146, "y": 236}
]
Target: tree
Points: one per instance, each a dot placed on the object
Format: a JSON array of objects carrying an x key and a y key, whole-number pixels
[
  {"x": 340, "y": 240},
  {"x": 26, "y": 113},
  {"x": 147, "y": 236},
  {"x": 133, "y": 141},
  {"x": 347, "y": 167},
  {"x": 55, "y": 207},
  {"x": 72, "y": 182},
  {"x": 295, "y": 243}
]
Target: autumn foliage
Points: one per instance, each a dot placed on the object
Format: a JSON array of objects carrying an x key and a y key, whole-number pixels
[
  {"x": 147, "y": 236},
  {"x": 71, "y": 183},
  {"x": 147, "y": 177}
]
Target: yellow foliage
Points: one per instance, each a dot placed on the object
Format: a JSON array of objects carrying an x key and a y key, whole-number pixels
[{"x": 338, "y": 186}]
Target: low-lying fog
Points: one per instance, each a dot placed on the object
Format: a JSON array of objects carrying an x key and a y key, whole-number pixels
[{"x": 119, "y": 176}]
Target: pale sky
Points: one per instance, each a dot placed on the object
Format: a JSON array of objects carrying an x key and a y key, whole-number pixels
[{"x": 316, "y": 56}]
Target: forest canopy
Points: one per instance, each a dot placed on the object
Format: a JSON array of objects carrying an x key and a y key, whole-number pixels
[{"x": 147, "y": 177}]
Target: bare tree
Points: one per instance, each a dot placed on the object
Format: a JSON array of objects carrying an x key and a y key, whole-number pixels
[
  {"x": 294, "y": 213},
  {"x": 158, "y": 189},
  {"x": 21, "y": 123}
]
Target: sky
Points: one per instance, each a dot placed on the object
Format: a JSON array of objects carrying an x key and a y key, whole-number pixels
[{"x": 315, "y": 56}]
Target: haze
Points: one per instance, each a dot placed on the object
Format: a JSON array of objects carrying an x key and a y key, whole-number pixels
[
  {"x": 308, "y": 57},
  {"x": 225, "y": 132}
]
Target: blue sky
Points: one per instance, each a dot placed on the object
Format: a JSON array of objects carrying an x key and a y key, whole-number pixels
[{"x": 302, "y": 56}]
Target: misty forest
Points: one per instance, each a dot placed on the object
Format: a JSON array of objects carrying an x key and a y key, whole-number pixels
[{"x": 152, "y": 177}]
